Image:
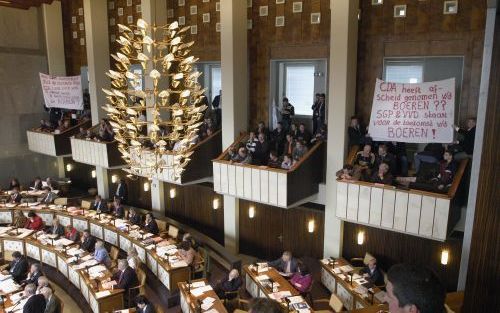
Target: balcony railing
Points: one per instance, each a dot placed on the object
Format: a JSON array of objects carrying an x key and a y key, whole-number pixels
[
  {"x": 53, "y": 144},
  {"x": 199, "y": 169},
  {"x": 277, "y": 187},
  {"x": 97, "y": 153},
  {"x": 416, "y": 212}
]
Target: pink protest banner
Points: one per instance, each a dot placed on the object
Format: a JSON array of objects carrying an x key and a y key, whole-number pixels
[
  {"x": 418, "y": 113},
  {"x": 63, "y": 92}
]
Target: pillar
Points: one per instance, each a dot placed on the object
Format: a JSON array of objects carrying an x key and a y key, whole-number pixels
[
  {"x": 154, "y": 12},
  {"x": 97, "y": 40},
  {"x": 102, "y": 181},
  {"x": 234, "y": 68},
  {"x": 342, "y": 94}
]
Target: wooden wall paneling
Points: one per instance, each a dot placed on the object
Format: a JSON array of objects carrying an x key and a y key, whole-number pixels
[
  {"x": 137, "y": 197},
  {"x": 296, "y": 236},
  {"x": 391, "y": 248},
  {"x": 80, "y": 175},
  {"x": 75, "y": 52},
  {"x": 483, "y": 274}
]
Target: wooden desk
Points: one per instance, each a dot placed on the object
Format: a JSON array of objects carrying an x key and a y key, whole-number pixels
[
  {"x": 344, "y": 289},
  {"x": 191, "y": 303}
]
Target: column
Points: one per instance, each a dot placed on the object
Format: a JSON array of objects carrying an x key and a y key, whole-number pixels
[
  {"x": 54, "y": 43},
  {"x": 97, "y": 40},
  {"x": 234, "y": 68},
  {"x": 342, "y": 94},
  {"x": 154, "y": 12}
]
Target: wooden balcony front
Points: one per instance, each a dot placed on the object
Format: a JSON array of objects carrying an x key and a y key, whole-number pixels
[
  {"x": 53, "y": 144},
  {"x": 199, "y": 169},
  {"x": 415, "y": 212},
  {"x": 277, "y": 187},
  {"x": 97, "y": 153}
]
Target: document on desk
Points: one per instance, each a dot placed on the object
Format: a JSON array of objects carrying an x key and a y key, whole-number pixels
[
  {"x": 102, "y": 294},
  {"x": 87, "y": 257},
  {"x": 206, "y": 306},
  {"x": 4, "y": 277},
  {"x": 65, "y": 242},
  {"x": 346, "y": 268},
  {"x": 337, "y": 270},
  {"x": 109, "y": 284},
  {"x": 75, "y": 251},
  {"x": 212, "y": 311},
  {"x": 262, "y": 277},
  {"x": 199, "y": 291},
  {"x": 197, "y": 284},
  {"x": 179, "y": 264},
  {"x": 8, "y": 286}
]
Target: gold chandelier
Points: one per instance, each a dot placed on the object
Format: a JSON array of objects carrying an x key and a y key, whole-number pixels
[{"x": 173, "y": 101}]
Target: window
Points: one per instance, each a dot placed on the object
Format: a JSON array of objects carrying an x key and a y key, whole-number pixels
[
  {"x": 404, "y": 72},
  {"x": 215, "y": 80},
  {"x": 299, "y": 87}
]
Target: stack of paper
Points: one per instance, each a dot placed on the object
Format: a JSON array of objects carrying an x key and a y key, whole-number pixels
[
  {"x": 4, "y": 277},
  {"x": 178, "y": 264},
  {"x": 72, "y": 251},
  {"x": 102, "y": 294},
  {"x": 346, "y": 268},
  {"x": 200, "y": 290},
  {"x": 8, "y": 286},
  {"x": 207, "y": 303},
  {"x": 197, "y": 284},
  {"x": 65, "y": 242}
]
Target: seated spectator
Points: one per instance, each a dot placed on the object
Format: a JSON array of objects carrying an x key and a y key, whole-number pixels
[
  {"x": 364, "y": 162},
  {"x": 37, "y": 184},
  {"x": 52, "y": 184},
  {"x": 231, "y": 283},
  {"x": 242, "y": 157},
  {"x": 299, "y": 151},
  {"x": 105, "y": 133},
  {"x": 356, "y": 132},
  {"x": 101, "y": 254},
  {"x": 278, "y": 139},
  {"x": 87, "y": 242},
  {"x": 150, "y": 224},
  {"x": 89, "y": 135},
  {"x": 62, "y": 126},
  {"x": 14, "y": 183},
  {"x": 295, "y": 161},
  {"x": 287, "y": 162},
  {"x": 273, "y": 160},
  {"x": 385, "y": 157},
  {"x": 321, "y": 135},
  {"x": 303, "y": 134},
  {"x": 71, "y": 233},
  {"x": 382, "y": 175},
  {"x": 302, "y": 280},
  {"x": 15, "y": 196},
  {"x": 82, "y": 133},
  {"x": 372, "y": 273},
  {"x": 466, "y": 142},
  {"x": 261, "y": 153},
  {"x": 262, "y": 129},
  {"x": 347, "y": 173},
  {"x": 46, "y": 126},
  {"x": 398, "y": 149},
  {"x": 189, "y": 255},
  {"x": 289, "y": 144},
  {"x": 251, "y": 142},
  {"x": 293, "y": 130},
  {"x": 49, "y": 196},
  {"x": 432, "y": 154},
  {"x": 447, "y": 170},
  {"x": 20, "y": 220},
  {"x": 34, "y": 222}
]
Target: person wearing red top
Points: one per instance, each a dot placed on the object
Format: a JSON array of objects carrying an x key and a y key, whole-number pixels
[
  {"x": 72, "y": 234},
  {"x": 302, "y": 280},
  {"x": 34, "y": 222}
]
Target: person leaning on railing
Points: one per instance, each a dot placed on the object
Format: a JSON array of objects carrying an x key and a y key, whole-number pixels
[{"x": 242, "y": 156}]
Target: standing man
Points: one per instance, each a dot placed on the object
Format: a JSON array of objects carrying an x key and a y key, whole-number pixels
[
  {"x": 287, "y": 111},
  {"x": 122, "y": 191}
]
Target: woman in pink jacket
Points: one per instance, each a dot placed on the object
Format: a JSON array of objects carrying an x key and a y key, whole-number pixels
[{"x": 302, "y": 280}]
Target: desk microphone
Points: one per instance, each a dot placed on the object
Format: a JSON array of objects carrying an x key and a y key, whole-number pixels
[{"x": 16, "y": 304}]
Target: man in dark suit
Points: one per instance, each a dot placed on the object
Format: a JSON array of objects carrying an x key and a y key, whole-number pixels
[
  {"x": 150, "y": 224},
  {"x": 37, "y": 184},
  {"x": 18, "y": 268},
  {"x": 125, "y": 278},
  {"x": 261, "y": 153},
  {"x": 134, "y": 218},
  {"x": 143, "y": 305},
  {"x": 122, "y": 191},
  {"x": 35, "y": 303},
  {"x": 356, "y": 132},
  {"x": 33, "y": 275},
  {"x": 469, "y": 134},
  {"x": 286, "y": 265},
  {"x": 53, "y": 305},
  {"x": 15, "y": 196},
  {"x": 99, "y": 205},
  {"x": 56, "y": 229},
  {"x": 118, "y": 210},
  {"x": 372, "y": 273},
  {"x": 87, "y": 241},
  {"x": 231, "y": 283},
  {"x": 385, "y": 157}
]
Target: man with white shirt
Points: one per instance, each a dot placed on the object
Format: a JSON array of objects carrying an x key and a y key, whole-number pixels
[
  {"x": 372, "y": 273},
  {"x": 34, "y": 303}
]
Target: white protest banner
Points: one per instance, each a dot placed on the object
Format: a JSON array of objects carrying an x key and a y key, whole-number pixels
[
  {"x": 418, "y": 113},
  {"x": 62, "y": 92}
]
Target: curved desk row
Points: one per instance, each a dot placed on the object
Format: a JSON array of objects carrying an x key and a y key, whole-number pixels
[{"x": 168, "y": 274}]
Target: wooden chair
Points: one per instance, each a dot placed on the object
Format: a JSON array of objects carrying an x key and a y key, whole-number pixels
[
  {"x": 139, "y": 289},
  {"x": 173, "y": 231},
  {"x": 86, "y": 204},
  {"x": 162, "y": 226},
  {"x": 334, "y": 304},
  {"x": 199, "y": 268},
  {"x": 113, "y": 254},
  {"x": 61, "y": 201},
  {"x": 307, "y": 294},
  {"x": 231, "y": 300},
  {"x": 359, "y": 263}
]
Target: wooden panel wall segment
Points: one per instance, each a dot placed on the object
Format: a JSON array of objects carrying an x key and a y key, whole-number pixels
[
  {"x": 391, "y": 248},
  {"x": 193, "y": 205},
  {"x": 483, "y": 275},
  {"x": 425, "y": 31},
  {"x": 74, "y": 48},
  {"x": 137, "y": 197}
]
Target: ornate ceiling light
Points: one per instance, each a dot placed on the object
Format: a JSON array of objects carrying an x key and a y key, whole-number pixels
[{"x": 173, "y": 101}]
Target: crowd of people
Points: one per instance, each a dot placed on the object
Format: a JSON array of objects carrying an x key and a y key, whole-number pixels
[
  {"x": 61, "y": 120},
  {"x": 104, "y": 132},
  {"x": 388, "y": 163}
]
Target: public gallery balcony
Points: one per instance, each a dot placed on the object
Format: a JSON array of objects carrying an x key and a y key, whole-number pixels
[
  {"x": 199, "y": 168},
  {"x": 273, "y": 186},
  {"x": 93, "y": 150},
  {"x": 416, "y": 212},
  {"x": 54, "y": 142}
]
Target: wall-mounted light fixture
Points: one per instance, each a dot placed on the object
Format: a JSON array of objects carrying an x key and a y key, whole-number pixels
[
  {"x": 146, "y": 186},
  {"x": 361, "y": 237},
  {"x": 93, "y": 173},
  {"x": 444, "y": 257},
  {"x": 172, "y": 193},
  {"x": 310, "y": 226},
  {"x": 400, "y": 10},
  {"x": 377, "y": 2},
  {"x": 69, "y": 167},
  {"x": 450, "y": 7},
  {"x": 114, "y": 179},
  {"x": 215, "y": 203},
  {"x": 251, "y": 211}
]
